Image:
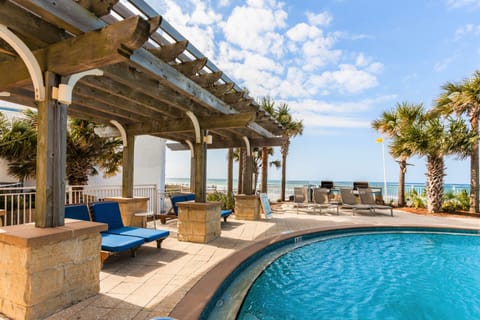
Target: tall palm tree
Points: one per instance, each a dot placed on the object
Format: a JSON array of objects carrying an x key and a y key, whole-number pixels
[
  {"x": 268, "y": 105},
  {"x": 292, "y": 128},
  {"x": 464, "y": 99},
  {"x": 393, "y": 124},
  {"x": 435, "y": 138}
]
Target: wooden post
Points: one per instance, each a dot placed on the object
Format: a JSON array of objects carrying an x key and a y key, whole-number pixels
[
  {"x": 230, "y": 172},
  {"x": 248, "y": 179},
  {"x": 201, "y": 170},
  {"x": 240, "y": 170},
  {"x": 192, "y": 168},
  {"x": 51, "y": 155},
  {"x": 128, "y": 167}
]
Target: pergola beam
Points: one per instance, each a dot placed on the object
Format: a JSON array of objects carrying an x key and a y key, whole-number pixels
[
  {"x": 219, "y": 143},
  {"x": 181, "y": 124},
  {"x": 110, "y": 45}
]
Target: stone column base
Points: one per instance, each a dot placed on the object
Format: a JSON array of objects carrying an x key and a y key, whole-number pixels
[
  {"x": 247, "y": 207},
  {"x": 128, "y": 208},
  {"x": 199, "y": 222},
  {"x": 43, "y": 270}
]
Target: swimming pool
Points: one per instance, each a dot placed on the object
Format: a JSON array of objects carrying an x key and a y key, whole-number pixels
[{"x": 356, "y": 273}]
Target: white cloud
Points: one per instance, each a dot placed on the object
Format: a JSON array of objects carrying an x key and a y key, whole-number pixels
[
  {"x": 255, "y": 27},
  {"x": 319, "y": 19},
  {"x": 463, "y": 3},
  {"x": 344, "y": 114},
  {"x": 466, "y": 29},
  {"x": 347, "y": 79},
  {"x": 302, "y": 32},
  {"x": 224, "y": 3},
  {"x": 350, "y": 107}
]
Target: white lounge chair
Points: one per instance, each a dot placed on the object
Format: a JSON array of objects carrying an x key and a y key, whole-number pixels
[
  {"x": 367, "y": 197},
  {"x": 349, "y": 201},
  {"x": 321, "y": 199},
  {"x": 299, "y": 196}
]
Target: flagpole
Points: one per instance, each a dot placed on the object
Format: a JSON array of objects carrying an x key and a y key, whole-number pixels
[
  {"x": 382, "y": 141},
  {"x": 384, "y": 170}
]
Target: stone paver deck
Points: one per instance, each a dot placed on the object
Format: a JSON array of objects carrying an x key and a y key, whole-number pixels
[{"x": 153, "y": 282}]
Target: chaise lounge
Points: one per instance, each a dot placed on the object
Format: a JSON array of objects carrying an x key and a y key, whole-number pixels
[
  {"x": 367, "y": 198},
  {"x": 349, "y": 201},
  {"x": 109, "y": 212},
  {"x": 182, "y": 197},
  {"x": 321, "y": 200},
  {"x": 111, "y": 243}
]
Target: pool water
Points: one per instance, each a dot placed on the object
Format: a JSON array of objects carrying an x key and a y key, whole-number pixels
[{"x": 372, "y": 276}]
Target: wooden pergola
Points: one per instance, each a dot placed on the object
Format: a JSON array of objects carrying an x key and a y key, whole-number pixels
[{"x": 121, "y": 64}]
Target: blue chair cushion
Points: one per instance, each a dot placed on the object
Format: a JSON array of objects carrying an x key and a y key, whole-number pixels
[
  {"x": 77, "y": 211},
  {"x": 118, "y": 243},
  {"x": 181, "y": 198},
  {"x": 107, "y": 212},
  {"x": 225, "y": 213},
  {"x": 147, "y": 234}
]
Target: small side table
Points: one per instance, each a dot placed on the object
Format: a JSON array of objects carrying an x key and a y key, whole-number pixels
[{"x": 145, "y": 216}]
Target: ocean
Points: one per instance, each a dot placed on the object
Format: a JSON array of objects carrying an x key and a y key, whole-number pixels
[{"x": 274, "y": 186}]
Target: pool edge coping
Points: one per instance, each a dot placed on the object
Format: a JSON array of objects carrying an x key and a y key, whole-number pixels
[{"x": 192, "y": 305}]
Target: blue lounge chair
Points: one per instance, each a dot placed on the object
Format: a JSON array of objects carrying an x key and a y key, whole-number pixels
[
  {"x": 173, "y": 212},
  {"x": 111, "y": 243},
  {"x": 225, "y": 213},
  {"x": 109, "y": 212}
]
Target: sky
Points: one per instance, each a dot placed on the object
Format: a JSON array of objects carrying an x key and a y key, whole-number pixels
[{"x": 338, "y": 64}]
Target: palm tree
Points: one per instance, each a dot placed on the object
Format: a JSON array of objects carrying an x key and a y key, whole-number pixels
[
  {"x": 435, "y": 138},
  {"x": 393, "y": 124},
  {"x": 268, "y": 105},
  {"x": 85, "y": 149},
  {"x": 292, "y": 128},
  {"x": 464, "y": 98},
  {"x": 18, "y": 145}
]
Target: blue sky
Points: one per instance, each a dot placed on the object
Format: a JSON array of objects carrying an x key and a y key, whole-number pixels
[{"x": 338, "y": 64}]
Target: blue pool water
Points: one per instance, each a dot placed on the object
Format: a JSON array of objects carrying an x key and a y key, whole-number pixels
[{"x": 372, "y": 276}]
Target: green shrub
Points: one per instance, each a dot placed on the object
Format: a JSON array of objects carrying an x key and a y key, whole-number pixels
[
  {"x": 228, "y": 202},
  {"x": 415, "y": 200},
  {"x": 456, "y": 201}
]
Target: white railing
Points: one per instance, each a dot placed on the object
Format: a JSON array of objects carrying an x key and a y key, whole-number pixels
[{"x": 19, "y": 202}]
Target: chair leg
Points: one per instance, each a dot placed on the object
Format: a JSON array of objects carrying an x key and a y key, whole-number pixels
[
  {"x": 159, "y": 242},
  {"x": 133, "y": 252}
]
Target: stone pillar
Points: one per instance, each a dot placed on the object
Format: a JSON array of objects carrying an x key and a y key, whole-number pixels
[
  {"x": 199, "y": 221},
  {"x": 247, "y": 207},
  {"x": 43, "y": 270},
  {"x": 128, "y": 208}
]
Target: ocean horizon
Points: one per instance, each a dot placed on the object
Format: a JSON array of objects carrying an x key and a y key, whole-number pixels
[{"x": 274, "y": 186}]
